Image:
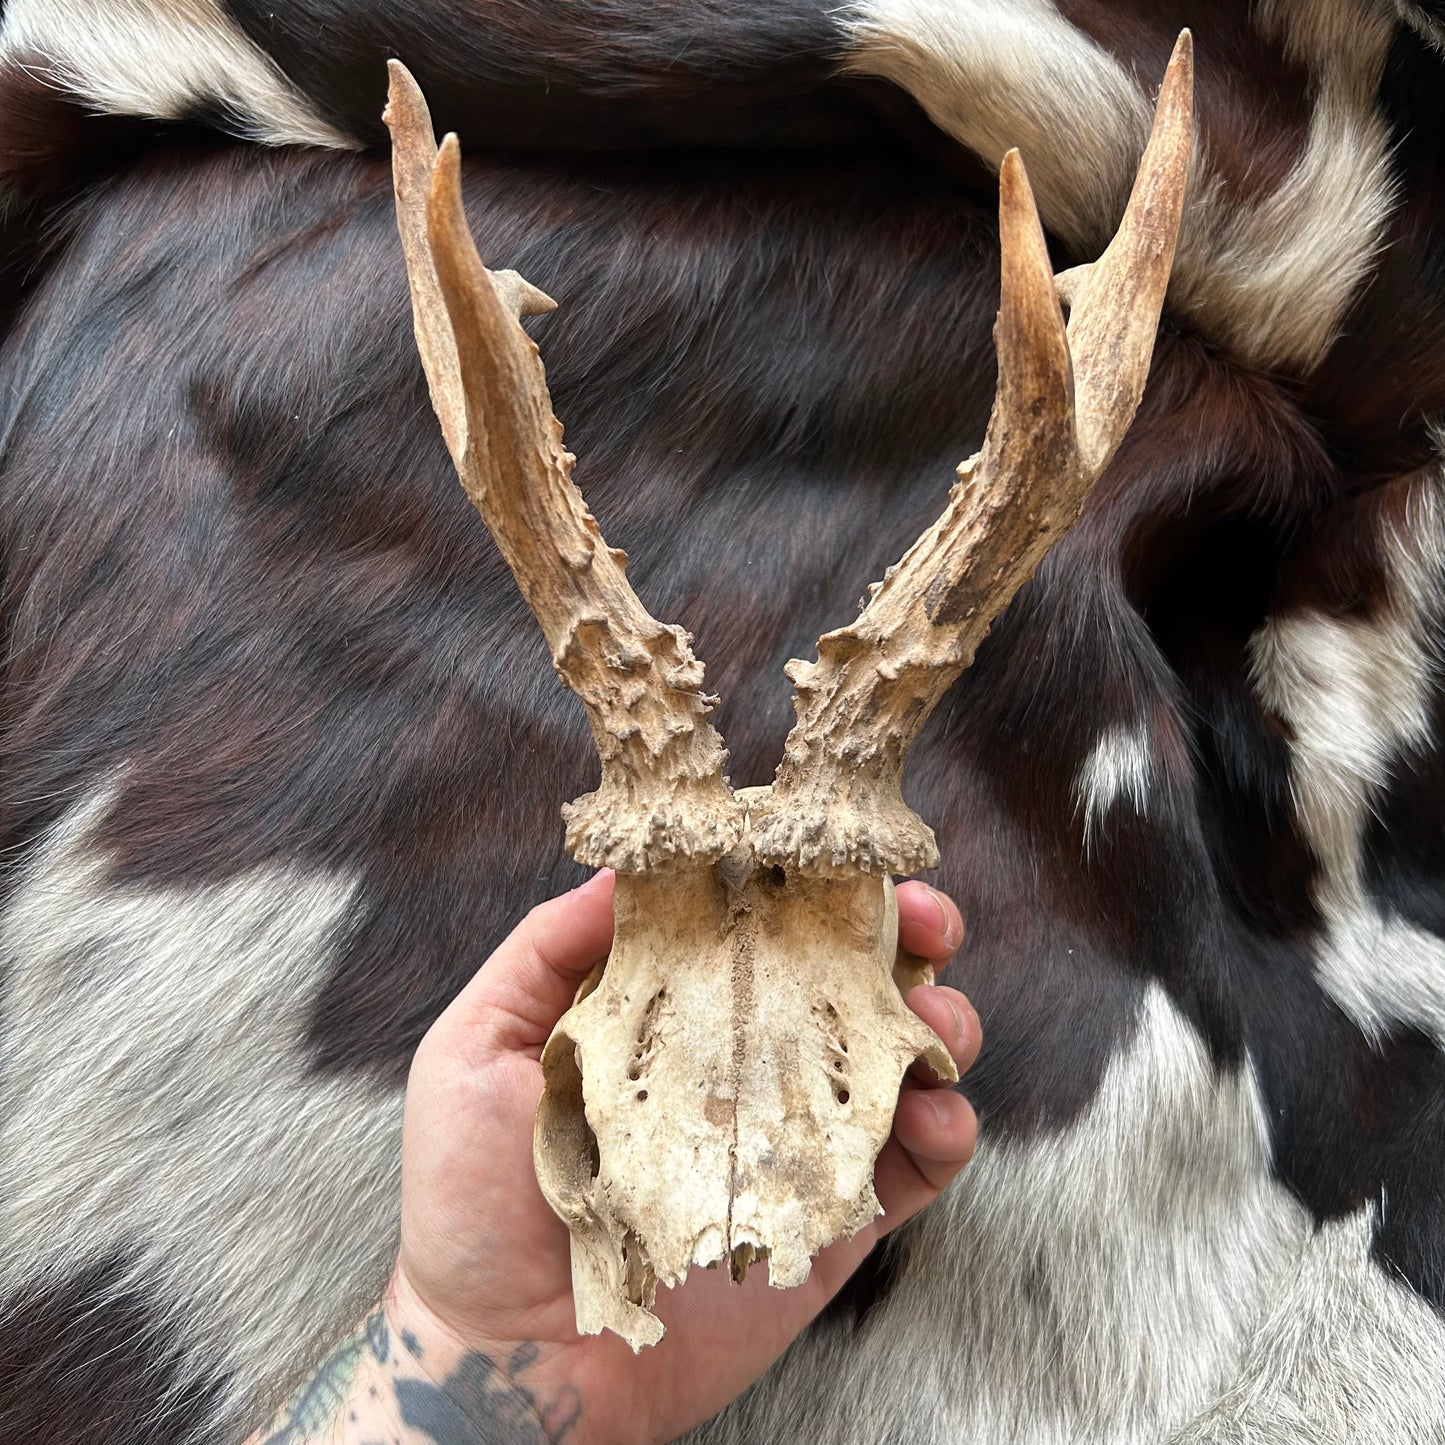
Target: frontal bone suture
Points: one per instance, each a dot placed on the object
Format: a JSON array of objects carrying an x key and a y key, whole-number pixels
[{"x": 721, "y": 1088}]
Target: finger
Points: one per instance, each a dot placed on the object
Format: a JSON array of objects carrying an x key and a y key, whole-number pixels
[
  {"x": 946, "y": 1137},
  {"x": 929, "y": 923},
  {"x": 936, "y": 1130},
  {"x": 529, "y": 982},
  {"x": 906, "y": 1181},
  {"x": 950, "y": 1015}
]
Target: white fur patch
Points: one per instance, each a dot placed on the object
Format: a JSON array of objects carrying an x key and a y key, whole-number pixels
[
  {"x": 1099, "y": 1284},
  {"x": 1345, "y": 1356},
  {"x": 1274, "y": 280},
  {"x": 1355, "y": 695},
  {"x": 1271, "y": 279},
  {"x": 1001, "y": 73},
  {"x": 155, "y": 1105},
  {"x": 1117, "y": 772},
  {"x": 162, "y": 58}
]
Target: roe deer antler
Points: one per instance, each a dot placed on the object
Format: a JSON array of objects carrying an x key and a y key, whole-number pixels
[
  {"x": 836, "y": 802},
  {"x": 722, "y": 1089},
  {"x": 663, "y": 793}
]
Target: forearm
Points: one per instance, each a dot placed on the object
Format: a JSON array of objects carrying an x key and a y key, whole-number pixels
[{"x": 386, "y": 1386}]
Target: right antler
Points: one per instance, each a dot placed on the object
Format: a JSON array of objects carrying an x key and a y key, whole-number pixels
[{"x": 836, "y": 800}]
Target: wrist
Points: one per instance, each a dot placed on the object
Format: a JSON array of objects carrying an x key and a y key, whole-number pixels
[{"x": 470, "y": 1390}]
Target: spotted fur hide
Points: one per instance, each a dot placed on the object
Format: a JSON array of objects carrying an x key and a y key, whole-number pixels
[{"x": 281, "y": 755}]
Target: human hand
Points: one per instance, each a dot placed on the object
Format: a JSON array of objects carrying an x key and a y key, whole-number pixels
[
  {"x": 477, "y": 1340},
  {"x": 485, "y": 1264}
]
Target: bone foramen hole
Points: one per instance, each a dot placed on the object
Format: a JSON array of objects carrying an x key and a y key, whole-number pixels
[{"x": 751, "y": 987}]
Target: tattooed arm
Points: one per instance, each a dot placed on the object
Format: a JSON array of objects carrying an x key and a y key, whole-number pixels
[
  {"x": 475, "y": 1343},
  {"x": 376, "y": 1389}
]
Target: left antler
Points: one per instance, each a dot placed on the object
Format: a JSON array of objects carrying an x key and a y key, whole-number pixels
[
  {"x": 836, "y": 800},
  {"x": 663, "y": 793}
]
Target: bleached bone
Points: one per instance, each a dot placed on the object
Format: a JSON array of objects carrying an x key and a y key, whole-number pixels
[{"x": 722, "y": 1089}]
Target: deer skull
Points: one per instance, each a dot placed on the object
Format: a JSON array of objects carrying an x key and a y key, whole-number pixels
[{"x": 721, "y": 1090}]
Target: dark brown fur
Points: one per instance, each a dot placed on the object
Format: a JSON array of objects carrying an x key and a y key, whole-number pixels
[{"x": 241, "y": 581}]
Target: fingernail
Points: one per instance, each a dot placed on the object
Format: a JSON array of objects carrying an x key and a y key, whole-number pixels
[
  {"x": 958, "y": 1024},
  {"x": 942, "y": 911},
  {"x": 947, "y": 925},
  {"x": 930, "y": 1097}
]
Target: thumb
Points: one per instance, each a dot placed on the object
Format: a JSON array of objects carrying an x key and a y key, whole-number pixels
[{"x": 516, "y": 998}]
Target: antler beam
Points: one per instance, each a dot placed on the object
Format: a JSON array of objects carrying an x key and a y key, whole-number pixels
[
  {"x": 836, "y": 801},
  {"x": 663, "y": 794}
]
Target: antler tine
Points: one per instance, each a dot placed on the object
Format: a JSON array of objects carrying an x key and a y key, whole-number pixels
[
  {"x": 836, "y": 799},
  {"x": 663, "y": 794},
  {"x": 1111, "y": 320}
]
